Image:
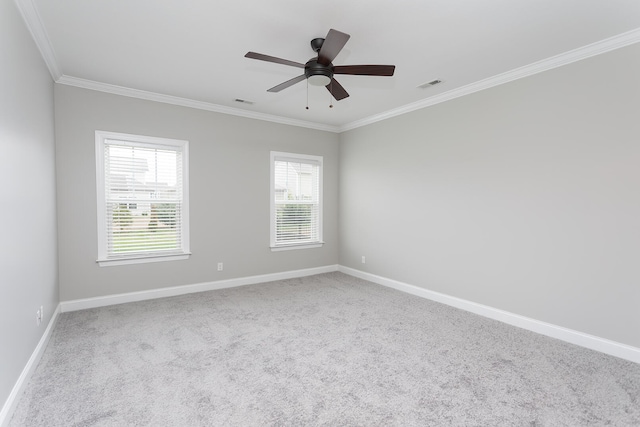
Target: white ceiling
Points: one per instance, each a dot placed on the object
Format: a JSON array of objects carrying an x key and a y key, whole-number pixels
[{"x": 192, "y": 51}]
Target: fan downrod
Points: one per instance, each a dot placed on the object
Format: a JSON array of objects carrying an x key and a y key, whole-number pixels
[{"x": 316, "y": 44}]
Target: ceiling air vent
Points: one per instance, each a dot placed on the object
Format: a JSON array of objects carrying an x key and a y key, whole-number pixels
[
  {"x": 243, "y": 101},
  {"x": 429, "y": 84}
]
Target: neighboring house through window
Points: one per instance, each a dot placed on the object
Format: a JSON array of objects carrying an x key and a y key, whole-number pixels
[
  {"x": 143, "y": 198},
  {"x": 296, "y": 201}
]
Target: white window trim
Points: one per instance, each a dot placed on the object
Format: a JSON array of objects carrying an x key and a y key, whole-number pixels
[
  {"x": 153, "y": 142},
  {"x": 293, "y": 157}
]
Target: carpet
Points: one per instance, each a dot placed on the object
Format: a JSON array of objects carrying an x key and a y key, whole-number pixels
[{"x": 328, "y": 349}]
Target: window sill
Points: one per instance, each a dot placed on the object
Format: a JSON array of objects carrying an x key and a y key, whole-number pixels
[
  {"x": 296, "y": 246},
  {"x": 141, "y": 259}
]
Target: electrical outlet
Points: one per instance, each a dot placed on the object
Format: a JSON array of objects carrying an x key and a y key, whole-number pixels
[
  {"x": 363, "y": 259},
  {"x": 39, "y": 316},
  {"x": 220, "y": 266}
]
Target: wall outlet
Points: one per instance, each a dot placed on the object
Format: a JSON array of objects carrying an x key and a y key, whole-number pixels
[
  {"x": 220, "y": 266},
  {"x": 39, "y": 315},
  {"x": 364, "y": 259}
]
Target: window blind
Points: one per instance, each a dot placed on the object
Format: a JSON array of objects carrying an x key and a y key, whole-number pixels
[
  {"x": 143, "y": 199},
  {"x": 296, "y": 195}
]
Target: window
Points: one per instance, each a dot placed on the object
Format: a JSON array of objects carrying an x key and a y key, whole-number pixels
[
  {"x": 296, "y": 201},
  {"x": 143, "y": 198}
]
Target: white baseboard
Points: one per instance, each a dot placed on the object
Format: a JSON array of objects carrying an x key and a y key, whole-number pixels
[
  {"x": 81, "y": 304},
  {"x": 574, "y": 337},
  {"x": 10, "y": 404},
  {"x": 592, "y": 342}
]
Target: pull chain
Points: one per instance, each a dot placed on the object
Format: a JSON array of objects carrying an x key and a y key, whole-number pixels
[{"x": 331, "y": 94}]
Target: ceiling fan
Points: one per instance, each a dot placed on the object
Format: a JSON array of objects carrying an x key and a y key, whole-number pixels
[{"x": 320, "y": 71}]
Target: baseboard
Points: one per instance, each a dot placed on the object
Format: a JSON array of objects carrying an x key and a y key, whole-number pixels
[
  {"x": 574, "y": 337},
  {"x": 12, "y": 400},
  {"x": 592, "y": 342},
  {"x": 81, "y": 304}
]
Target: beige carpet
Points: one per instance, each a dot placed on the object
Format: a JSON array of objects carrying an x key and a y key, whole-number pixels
[{"x": 322, "y": 350}]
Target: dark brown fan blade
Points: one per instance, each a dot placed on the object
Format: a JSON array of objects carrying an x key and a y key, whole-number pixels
[
  {"x": 268, "y": 58},
  {"x": 287, "y": 84},
  {"x": 365, "y": 70},
  {"x": 332, "y": 45},
  {"x": 337, "y": 90}
]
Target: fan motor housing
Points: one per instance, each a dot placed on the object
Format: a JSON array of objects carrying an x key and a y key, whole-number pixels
[{"x": 313, "y": 68}]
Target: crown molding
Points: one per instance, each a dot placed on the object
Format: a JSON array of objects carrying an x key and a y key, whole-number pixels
[
  {"x": 35, "y": 26},
  {"x": 597, "y": 48},
  {"x": 184, "y": 102}
]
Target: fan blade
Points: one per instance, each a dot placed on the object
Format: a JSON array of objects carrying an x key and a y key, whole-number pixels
[
  {"x": 268, "y": 58},
  {"x": 336, "y": 90},
  {"x": 365, "y": 70},
  {"x": 332, "y": 45},
  {"x": 287, "y": 84}
]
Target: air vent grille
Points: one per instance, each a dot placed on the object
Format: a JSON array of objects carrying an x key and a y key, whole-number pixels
[{"x": 429, "y": 84}]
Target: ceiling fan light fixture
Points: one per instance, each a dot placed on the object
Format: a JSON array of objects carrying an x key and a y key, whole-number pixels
[
  {"x": 319, "y": 80},
  {"x": 319, "y": 71}
]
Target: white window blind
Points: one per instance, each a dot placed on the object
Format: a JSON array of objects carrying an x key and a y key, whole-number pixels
[
  {"x": 142, "y": 209},
  {"x": 296, "y": 214}
]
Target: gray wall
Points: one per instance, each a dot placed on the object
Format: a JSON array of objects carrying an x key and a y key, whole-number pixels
[
  {"x": 229, "y": 192},
  {"x": 524, "y": 197},
  {"x": 27, "y": 206}
]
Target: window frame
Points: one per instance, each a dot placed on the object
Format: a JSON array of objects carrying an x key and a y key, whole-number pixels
[
  {"x": 296, "y": 158},
  {"x": 103, "y": 259}
]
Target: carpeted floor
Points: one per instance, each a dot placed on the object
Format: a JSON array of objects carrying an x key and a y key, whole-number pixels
[{"x": 322, "y": 350}]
